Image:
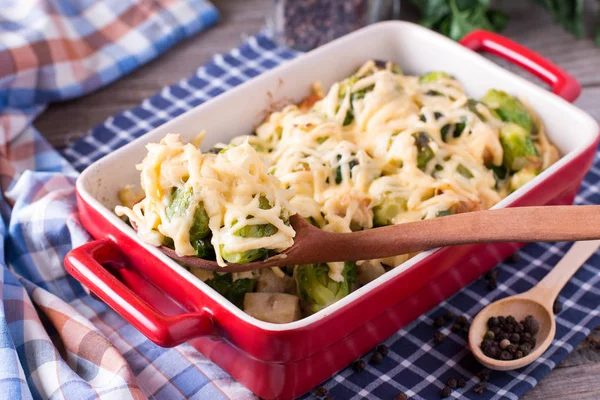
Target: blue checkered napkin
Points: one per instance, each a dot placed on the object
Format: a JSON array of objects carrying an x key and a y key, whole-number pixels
[{"x": 413, "y": 365}]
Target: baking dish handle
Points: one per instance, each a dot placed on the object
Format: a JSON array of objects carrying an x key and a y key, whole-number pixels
[
  {"x": 85, "y": 264},
  {"x": 561, "y": 82}
]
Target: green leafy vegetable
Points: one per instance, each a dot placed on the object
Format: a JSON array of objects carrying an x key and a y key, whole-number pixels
[
  {"x": 456, "y": 18},
  {"x": 233, "y": 291},
  {"x": 424, "y": 151},
  {"x": 509, "y": 109}
]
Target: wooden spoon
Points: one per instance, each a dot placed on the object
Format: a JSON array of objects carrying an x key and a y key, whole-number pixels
[
  {"x": 521, "y": 224},
  {"x": 537, "y": 302}
]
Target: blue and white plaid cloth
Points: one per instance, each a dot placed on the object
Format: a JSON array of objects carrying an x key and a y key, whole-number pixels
[{"x": 414, "y": 365}]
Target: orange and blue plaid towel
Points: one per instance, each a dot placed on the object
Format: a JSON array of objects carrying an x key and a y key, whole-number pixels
[{"x": 55, "y": 341}]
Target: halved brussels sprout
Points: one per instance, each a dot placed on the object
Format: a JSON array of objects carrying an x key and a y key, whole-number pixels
[
  {"x": 384, "y": 213},
  {"x": 317, "y": 289},
  {"x": 519, "y": 150},
  {"x": 424, "y": 151},
  {"x": 509, "y": 109},
  {"x": 433, "y": 76}
]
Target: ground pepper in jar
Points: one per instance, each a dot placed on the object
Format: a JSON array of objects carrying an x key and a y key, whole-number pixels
[{"x": 307, "y": 24}]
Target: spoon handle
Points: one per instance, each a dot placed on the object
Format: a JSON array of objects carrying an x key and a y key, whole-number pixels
[
  {"x": 549, "y": 287},
  {"x": 519, "y": 224}
]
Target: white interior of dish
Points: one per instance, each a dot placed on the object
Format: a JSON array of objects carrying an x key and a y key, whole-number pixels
[{"x": 238, "y": 111}]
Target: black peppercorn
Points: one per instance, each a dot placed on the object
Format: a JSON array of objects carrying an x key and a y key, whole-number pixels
[
  {"x": 512, "y": 349},
  {"x": 491, "y": 352},
  {"x": 456, "y": 328},
  {"x": 509, "y": 328},
  {"x": 519, "y": 328},
  {"x": 383, "y": 349},
  {"x": 462, "y": 320},
  {"x": 492, "y": 322},
  {"x": 515, "y": 338},
  {"x": 496, "y": 330},
  {"x": 557, "y": 307},
  {"x": 492, "y": 274},
  {"x": 531, "y": 325},
  {"x": 376, "y": 358},
  {"x": 480, "y": 388},
  {"x": 358, "y": 365},
  {"x": 438, "y": 337},
  {"x": 446, "y": 392},
  {"x": 452, "y": 383},
  {"x": 329, "y": 397},
  {"x": 492, "y": 285},
  {"x": 401, "y": 396},
  {"x": 513, "y": 258},
  {"x": 484, "y": 376},
  {"x": 501, "y": 320},
  {"x": 462, "y": 383},
  {"x": 320, "y": 391},
  {"x": 439, "y": 322},
  {"x": 519, "y": 354},
  {"x": 511, "y": 320},
  {"x": 506, "y": 356},
  {"x": 449, "y": 316}
]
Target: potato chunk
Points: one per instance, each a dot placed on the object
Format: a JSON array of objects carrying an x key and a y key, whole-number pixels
[
  {"x": 368, "y": 271},
  {"x": 278, "y": 308},
  {"x": 269, "y": 282}
]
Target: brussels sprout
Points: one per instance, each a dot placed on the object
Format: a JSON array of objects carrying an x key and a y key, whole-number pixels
[
  {"x": 233, "y": 291},
  {"x": 424, "y": 151},
  {"x": 180, "y": 203},
  {"x": 384, "y": 213},
  {"x": 521, "y": 177},
  {"x": 204, "y": 248},
  {"x": 464, "y": 171},
  {"x": 256, "y": 231},
  {"x": 317, "y": 289},
  {"x": 396, "y": 69},
  {"x": 519, "y": 150},
  {"x": 509, "y": 109},
  {"x": 359, "y": 94},
  {"x": 243, "y": 257},
  {"x": 433, "y": 76}
]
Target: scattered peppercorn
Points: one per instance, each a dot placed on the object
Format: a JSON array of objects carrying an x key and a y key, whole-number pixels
[
  {"x": 505, "y": 356},
  {"x": 330, "y": 397},
  {"x": 359, "y": 365},
  {"x": 492, "y": 322},
  {"x": 462, "y": 383},
  {"x": 456, "y": 328},
  {"x": 439, "y": 322},
  {"x": 449, "y": 316},
  {"x": 401, "y": 396},
  {"x": 480, "y": 388},
  {"x": 492, "y": 278},
  {"x": 462, "y": 320},
  {"x": 512, "y": 349},
  {"x": 376, "y": 358},
  {"x": 383, "y": 349},
  {"x": 438, "y": 337},
  {"x": 557, "y": 307},
  {"x": 484, "y": 376},
  {"x": 452, "y": 383},
  {"x": 446, "y": 392},
  {"x": 320, "y": 391},
  {"x": 513, "y": 258}
]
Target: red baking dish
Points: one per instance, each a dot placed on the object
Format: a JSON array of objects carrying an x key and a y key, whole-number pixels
[{"x": 170, "y": 306}]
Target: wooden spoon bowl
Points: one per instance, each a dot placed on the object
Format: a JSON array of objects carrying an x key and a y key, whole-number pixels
[
  {"x": 537, "y": 302},
  {"x": 519, "y": 307}
]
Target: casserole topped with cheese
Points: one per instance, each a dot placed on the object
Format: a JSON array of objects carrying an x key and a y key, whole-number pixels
[{"x": 376, "y": 149}]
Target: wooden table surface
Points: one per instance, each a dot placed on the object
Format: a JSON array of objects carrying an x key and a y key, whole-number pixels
[{"x": 578, "y": 377}]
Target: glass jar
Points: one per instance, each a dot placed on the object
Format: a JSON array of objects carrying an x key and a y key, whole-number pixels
[{"x": 306, "y": 24}]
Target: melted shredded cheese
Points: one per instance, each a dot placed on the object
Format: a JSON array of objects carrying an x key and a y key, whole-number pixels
[
  {"x": 228, "y": 185},
  {"x": 334, "y": 159}
]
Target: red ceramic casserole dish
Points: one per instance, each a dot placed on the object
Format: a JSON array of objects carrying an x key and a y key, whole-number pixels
[{"x": 170, "y": 306}]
